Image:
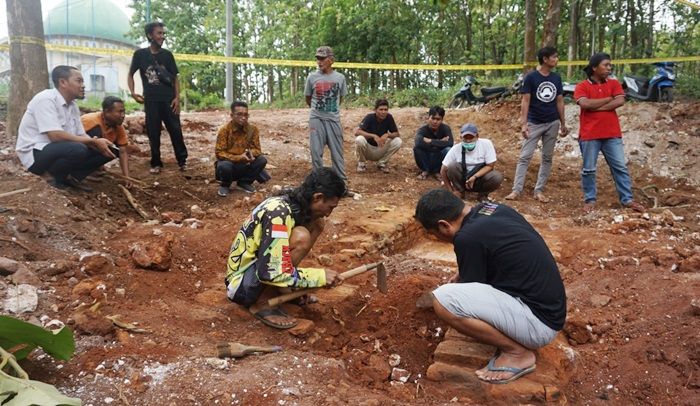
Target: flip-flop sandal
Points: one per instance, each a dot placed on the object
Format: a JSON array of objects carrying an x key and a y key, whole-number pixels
[
  {"x": 264, "y": 313},
  {"x": 422, "y": 176},
  {"x": 517, "y": 372}
]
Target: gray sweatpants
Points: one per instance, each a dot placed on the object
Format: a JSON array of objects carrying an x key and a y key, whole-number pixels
[
  {"x": 327, "y": 132},
  {"x": 548, "y": 133},
  {"x": 506, "y": 313}
]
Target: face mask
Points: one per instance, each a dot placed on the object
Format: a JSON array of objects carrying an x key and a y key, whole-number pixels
[{"x": 469, "y": 146}]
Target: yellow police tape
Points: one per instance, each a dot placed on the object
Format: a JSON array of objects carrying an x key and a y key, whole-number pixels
[
  {"x": 687, "y": 3},
  {"x": 345, "y": 65}
]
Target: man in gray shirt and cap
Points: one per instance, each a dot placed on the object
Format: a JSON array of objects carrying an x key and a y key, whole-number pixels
[{"x": 324, "y": 92}]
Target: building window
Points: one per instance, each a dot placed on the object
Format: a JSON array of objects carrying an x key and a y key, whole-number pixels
[{"x": 97, "y": 83}]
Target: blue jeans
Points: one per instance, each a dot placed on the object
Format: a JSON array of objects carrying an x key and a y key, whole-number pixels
[{"x": 614, "y": 154}]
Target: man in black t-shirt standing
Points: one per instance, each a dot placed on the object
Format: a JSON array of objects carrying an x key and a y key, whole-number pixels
[
  {"x": 432, "y": 143},
  {"x": 377, "y": 138},
  {"x": 541, "y": 117},
  {"x": 508, "y": 292},
  {"x": 161, "y": 94}
]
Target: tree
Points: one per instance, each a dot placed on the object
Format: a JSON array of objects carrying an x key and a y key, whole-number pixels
[
  {"x": 29, "y": 74},
  {"x": 551, "y": 23},
  {"x": 530, "y": 18}
]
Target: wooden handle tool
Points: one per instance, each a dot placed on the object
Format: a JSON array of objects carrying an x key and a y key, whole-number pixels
[
  {"x": 276, "y": 301},
  {"x": 238, "y": 350}
]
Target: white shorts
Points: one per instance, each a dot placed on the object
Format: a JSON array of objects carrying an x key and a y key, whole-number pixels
[{"x": 506, "y": 313}]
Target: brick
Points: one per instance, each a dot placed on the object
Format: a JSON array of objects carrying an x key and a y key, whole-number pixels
[{"x": 464, "y": 353}]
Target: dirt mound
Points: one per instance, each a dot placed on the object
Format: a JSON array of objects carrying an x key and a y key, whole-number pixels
[{"x": 631, "y": 279}]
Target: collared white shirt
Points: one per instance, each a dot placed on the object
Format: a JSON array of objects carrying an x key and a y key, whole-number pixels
[
  {"x": 484, "y": 153},
  {"x": 47, "y": 111}
]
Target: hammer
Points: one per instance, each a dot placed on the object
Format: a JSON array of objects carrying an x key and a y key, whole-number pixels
[{"x": 381, "y": 283}]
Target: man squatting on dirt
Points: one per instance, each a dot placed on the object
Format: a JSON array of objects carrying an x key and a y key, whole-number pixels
[
  {"x": 238, "y": 153},
  {"x": 280, "y": 232},
  {"x": 51, "y": 137},
  {"x": 508, "y": 292}
]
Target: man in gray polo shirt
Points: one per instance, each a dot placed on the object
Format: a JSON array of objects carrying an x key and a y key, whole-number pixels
[
  {"x": 324, "y": 92},
  {"x": 51, "y": 138}
]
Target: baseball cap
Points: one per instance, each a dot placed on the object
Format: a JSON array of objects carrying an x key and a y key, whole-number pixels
[
  {"x": 468, "y": 128},
  {"x": 324, "y": 52}
]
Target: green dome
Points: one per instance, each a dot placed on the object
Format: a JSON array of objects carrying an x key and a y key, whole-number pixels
[{"x": 110, "y": 22}]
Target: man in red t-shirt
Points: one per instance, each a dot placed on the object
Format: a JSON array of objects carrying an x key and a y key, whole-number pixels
[{"x": 600, "y": 131}]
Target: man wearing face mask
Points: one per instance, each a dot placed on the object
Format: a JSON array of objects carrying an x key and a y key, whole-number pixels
[{"x": 469, "y": 165}]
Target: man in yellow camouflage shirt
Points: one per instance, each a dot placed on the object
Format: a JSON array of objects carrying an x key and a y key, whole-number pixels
[{"x": 268, "y": 248}]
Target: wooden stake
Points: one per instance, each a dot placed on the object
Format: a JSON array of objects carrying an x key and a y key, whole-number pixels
[
  {"x": 133, "y": 202},
  {"x": 8, "y": 239},
  {"x": 123, "y": 177},
  {"x": 14, "y": 192}
]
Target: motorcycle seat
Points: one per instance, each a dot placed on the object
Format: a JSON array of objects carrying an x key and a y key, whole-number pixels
[
  {"x": 640, "y": 79},
  {"x": 492, "y": 90}
]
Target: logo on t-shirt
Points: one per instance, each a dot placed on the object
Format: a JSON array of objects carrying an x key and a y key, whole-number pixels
[
  {"x": 487, "y": 209},
  {"x": 546, "y": 92}
]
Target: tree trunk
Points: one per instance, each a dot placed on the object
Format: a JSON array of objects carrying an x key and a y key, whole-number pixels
[
  {"x": 28, "y": 74},
  {"x": 595, "y": 46},
  {"x": 294, "y": 82},
  {"x": 571, "y": 55},
  {"x": 634, "y": 38},
  {"x": 530, "y": 21},
  {"x": 551, "y": 23},
  {"x": 650, "y": 38}
]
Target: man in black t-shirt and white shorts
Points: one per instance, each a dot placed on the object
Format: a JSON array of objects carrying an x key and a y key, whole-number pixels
[
  {"x": 161, "y": 94},
  {"x": 508, "y": 292},
  {"x": 377, "y": 138}
]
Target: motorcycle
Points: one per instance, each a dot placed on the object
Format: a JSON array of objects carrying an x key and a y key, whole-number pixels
[
  {"x": 658, "y": 88},
  {"x": 465, "y": 94}
]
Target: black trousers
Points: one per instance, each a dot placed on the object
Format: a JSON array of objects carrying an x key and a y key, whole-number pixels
[
  {"x": 64, "y": 158},
  {"x": 161, "y": 112},
  {"x": 228, "y": 171}
]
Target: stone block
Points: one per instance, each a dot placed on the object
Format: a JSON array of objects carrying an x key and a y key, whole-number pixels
[{"x": 464, "y": 353}]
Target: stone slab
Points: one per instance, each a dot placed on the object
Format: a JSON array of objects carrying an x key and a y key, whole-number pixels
[{"x": 464, "y": 353}]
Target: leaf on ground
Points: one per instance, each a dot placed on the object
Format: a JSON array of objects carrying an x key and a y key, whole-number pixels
[
  {"x": 126, "y": 326},
  {"x": 15, "y": 332},
  {"x": 29, "y": 392},
  {"x": 383, "y": 208}
]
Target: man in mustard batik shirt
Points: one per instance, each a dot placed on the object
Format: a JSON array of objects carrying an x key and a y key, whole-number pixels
[
  {"x": 238, "y": 153},
  {"x": 272, "y": 242}
]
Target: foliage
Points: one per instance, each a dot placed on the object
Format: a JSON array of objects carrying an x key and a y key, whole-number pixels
[
  {"x": 16, "y": 333},
  {"x": 18, "y": 392},
  {"x": 93, "y": 103},
  {"x": 19, "y": 338},
  {"x": 688, "y": 86},
  {"x": 402, "y": 32}
]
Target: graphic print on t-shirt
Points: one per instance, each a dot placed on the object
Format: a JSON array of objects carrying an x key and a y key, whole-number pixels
[
  {"x": 546, "y": 92},
  {"x": 327, "y": 94},
  {"x": 152, "y": 75},
  {"x": 487, "y": 209}
]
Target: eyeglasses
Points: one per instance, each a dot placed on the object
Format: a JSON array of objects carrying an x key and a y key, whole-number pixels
[{"x": 320, "y": 58}]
